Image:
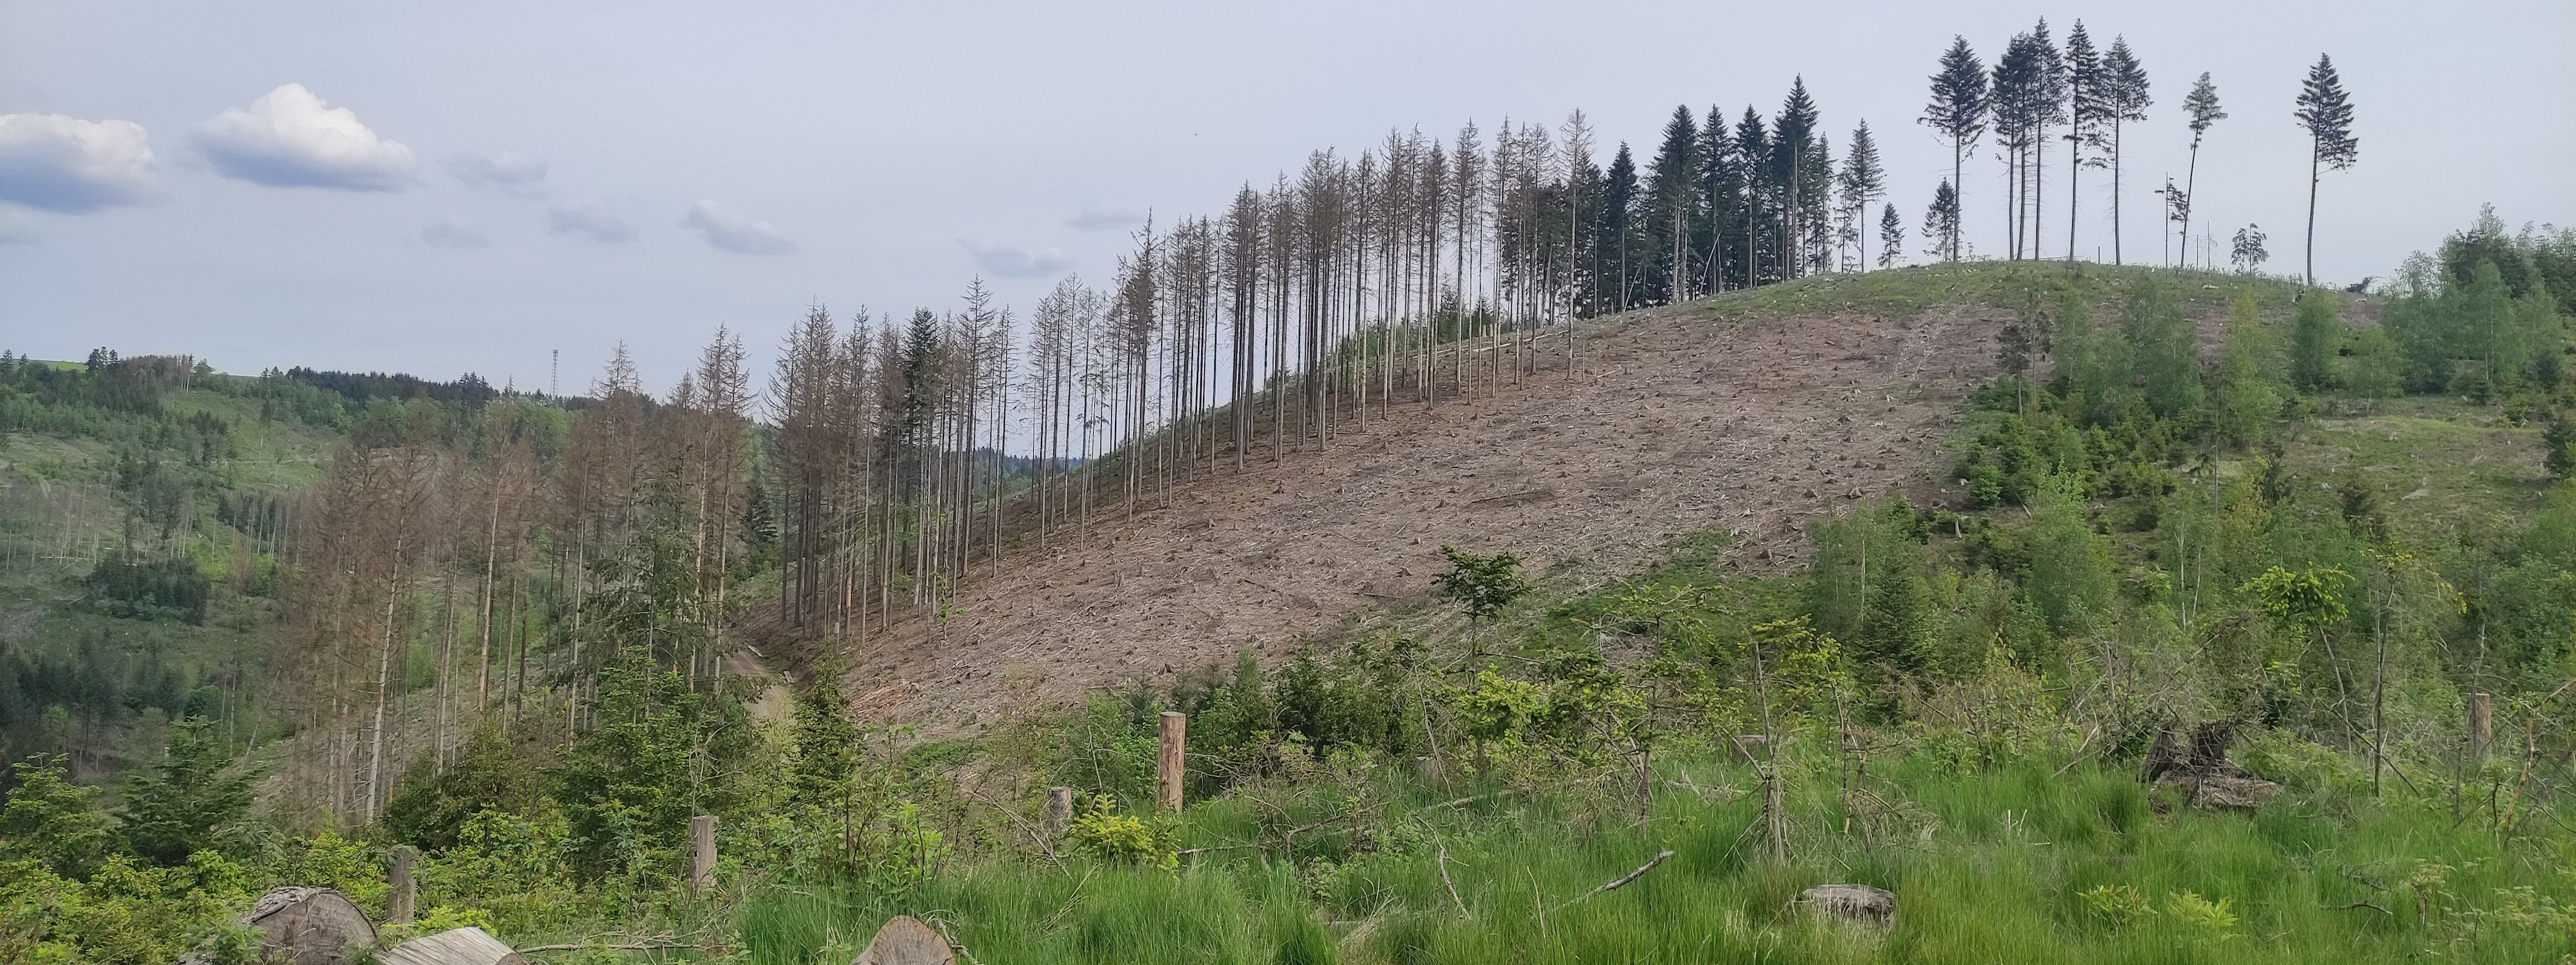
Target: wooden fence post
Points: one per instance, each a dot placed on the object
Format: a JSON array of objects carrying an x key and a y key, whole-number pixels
[
  {"x": 702, "y": 864},
  {"x": 1167, "y": 784},
  {"x": 1059, "y": 811},
  {"x": 2481, "y": 725},
  {"x": 400, "y": 895}
]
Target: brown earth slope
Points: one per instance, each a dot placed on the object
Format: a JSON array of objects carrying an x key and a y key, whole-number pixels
[{"x": 1673, "y": 422}]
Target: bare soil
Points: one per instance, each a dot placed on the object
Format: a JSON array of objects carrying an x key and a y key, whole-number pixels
[{"x": 1672, "y": 423}]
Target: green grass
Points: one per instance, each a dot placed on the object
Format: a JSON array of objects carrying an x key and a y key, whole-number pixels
[
  {"x": 1999, "y": 878},
  {"x": 2439, "y": 465},
  {"x": 1906, "y": 293}
]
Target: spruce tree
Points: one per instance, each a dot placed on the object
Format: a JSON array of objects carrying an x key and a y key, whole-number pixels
[
  {"x": 1753, "y": 156},
  {"x": 2124, "y": 99},
  {"x": 187, "y": 802},
  {"x": 1669, "y": 203},
  {"x": 1862, "y": 183},
  {"x": 2048, "y": 107},
  {"x": 2088, "y": 105},
  {"x": 2327, "y": 114},
  {"x": 2013, "y": 103},
  {"x": 1891, "y": 236},
  {"x": 49, "y": 820},
  {"x": 1616, "y": 232},
  {"x": 1941, "y": 223},
  {"x": 2558, "y": 447},
  {"x": 1719, "y": 182},
  {"x": 1795, "y": 169},
  {"x": 2201, "y": 106},
  {"x": 1958, "y": 112}
]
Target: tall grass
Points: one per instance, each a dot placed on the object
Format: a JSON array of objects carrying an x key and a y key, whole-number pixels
[{"x": 2000, "y": 877}]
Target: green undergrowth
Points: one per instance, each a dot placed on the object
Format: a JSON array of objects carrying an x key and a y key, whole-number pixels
[
  {"x": 2025, "y": 862},
  {"x": 1902, "y": 294}
]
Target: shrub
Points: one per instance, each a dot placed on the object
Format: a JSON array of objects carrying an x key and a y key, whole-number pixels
[{"x": 1110, "y": 836}]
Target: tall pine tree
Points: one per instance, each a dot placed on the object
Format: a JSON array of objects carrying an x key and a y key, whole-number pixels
[
  {"x": 2327, "y": 114},
  {"x": 1862, "y": 183},
  {"x": 2124, "y": 99},
  {"x": 1669, "y": 200},
  {"x": 1941, "y": 223},
  {"x": 2088, "y": 107},
  {"x": 1958, "y": 112},
  {"x": 1891, "y": 236},
  {"x": 2201, "y": 106}
]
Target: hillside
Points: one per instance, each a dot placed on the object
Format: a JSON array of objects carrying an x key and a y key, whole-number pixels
[{"x": 1748, "y": 414}]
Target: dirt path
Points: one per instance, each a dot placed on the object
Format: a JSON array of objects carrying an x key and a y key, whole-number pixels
[{"x": 1674, "y": 423}]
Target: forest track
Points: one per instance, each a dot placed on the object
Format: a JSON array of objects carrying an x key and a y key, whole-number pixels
[{"x": 1674, "y": 423}]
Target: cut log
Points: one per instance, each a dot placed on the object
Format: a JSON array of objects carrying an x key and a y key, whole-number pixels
[
  {"x": 906, "y": 941},
  {"x": 309, "y": 926},
  {"x": 455, "y": 946},
  {"x": 1854, "y": 904}
]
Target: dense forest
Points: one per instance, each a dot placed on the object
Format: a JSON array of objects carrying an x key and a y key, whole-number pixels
[{"x": 526, "y": 634}]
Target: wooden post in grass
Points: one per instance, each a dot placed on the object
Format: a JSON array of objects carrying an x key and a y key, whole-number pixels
[
  {"x": 1059, "y": 811},
  {"x": 2481, "y": 726},
  {"x": 702, "y": 861},
  {"x": 399, "y": 894},
  {"x": 1167, "y": 759}
]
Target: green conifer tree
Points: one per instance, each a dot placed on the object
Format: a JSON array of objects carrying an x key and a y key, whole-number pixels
[
  {"x": 1862, "y": 182},
  {"x": 2201, "y": 108},
  {"x": 1958, "y": 113},
  {"x": 2326, "y": 112},
  {"x": 50, "y": 820},
  {"x": 1669, "y": 202},
  {"x": 2125, "y": 100},
  {"x": 189, "y": 802},
  {"x": 1891, "y": 236}
]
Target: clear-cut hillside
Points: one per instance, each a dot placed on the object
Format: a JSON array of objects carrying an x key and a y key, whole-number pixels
[{"x": 1719, "y": 413}]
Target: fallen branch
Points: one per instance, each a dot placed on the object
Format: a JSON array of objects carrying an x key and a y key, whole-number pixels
[
  {"x": 1221, "y": 847},
  {"x": 1464, "y": 800},
  {"x": 586, "y": 946},
  {"x": 2365, "y": 904},
  {"x": 1623, "y": 880},
  {"x": 1443, "y": 862}
]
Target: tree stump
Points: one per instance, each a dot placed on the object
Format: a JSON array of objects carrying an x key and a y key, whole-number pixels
[
  {"x": 1852, "y": 904},
  {"x": 2481, "y": 726},
  {"x": 399, "y": 894},
  {"x": 906, "y": 941},
  {"x": 702, "y": 857},
  {"x": 1059, "y": 811},
  {"x": 455, "y": 946},
  {"x": 309, "y": 926}
]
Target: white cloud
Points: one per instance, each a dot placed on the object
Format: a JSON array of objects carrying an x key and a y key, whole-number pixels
[
  {"x": 55, "y": 163},
  {"x": 727, "y": 229},
  {"x": 590, "y": 218},
  {"x": 453, "y": 232},
  {"x": 1013, "y": 261},
  {"x": 16, "y": 228},
  {"x": 1103, "y": 219},
  {"x": 290, "y": 138},
  {"x": 508, "y": 172}
]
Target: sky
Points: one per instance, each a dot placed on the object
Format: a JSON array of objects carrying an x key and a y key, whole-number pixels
[{"x": 469, "y": 186}]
